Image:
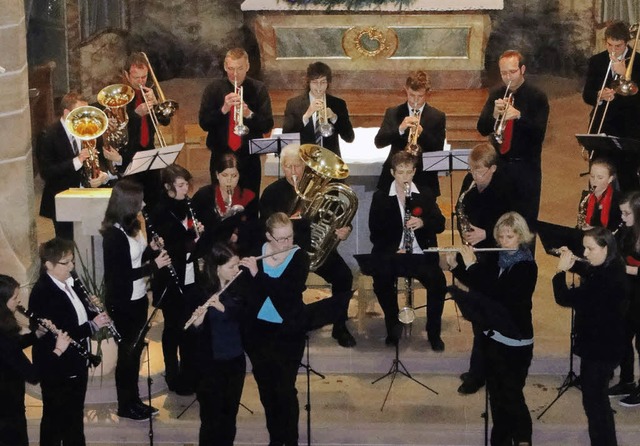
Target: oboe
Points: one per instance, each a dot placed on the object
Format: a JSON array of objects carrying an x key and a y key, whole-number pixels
[
  {"x": 94, "y": 360},
  {"x": 156, "y": 238},
  {"x": 95, "y": 307},
  {"x": 198, "y": 312}
]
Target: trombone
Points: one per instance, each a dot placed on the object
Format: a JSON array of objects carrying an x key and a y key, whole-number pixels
[
  {"x": 325, "y": 127},
  {"x": 501, "y": 121},
  {"x": 238, "y": 111},
  {"x": 166, "y": 107}
]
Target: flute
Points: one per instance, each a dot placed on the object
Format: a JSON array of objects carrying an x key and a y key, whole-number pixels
[
  {"x": 95, "y": 307},
  {"x": 94, "y": 360},
  {"x": 156, "y": 238},
  {"x": 434, "y": 249},
  {"x": 556, "y": 253},
  {"x": 202, "y": 308}
]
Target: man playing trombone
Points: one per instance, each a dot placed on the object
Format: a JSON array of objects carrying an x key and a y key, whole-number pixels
[
  {"x": 233, "y": 111},
  {"x": 614, "y": 114},
  {"x": 518, "y": 126},
  {"x": 319, "y": 117}
]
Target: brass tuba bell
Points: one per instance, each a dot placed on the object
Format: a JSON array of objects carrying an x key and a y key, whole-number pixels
[
  {"x": 114, "y": 98},
  {"x": 88, "y": 123}
]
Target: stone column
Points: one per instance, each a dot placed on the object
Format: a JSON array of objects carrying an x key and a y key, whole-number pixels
[{"x": 17, "y": 223}]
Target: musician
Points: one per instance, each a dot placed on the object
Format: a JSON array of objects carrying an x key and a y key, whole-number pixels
[
  {"x": 302, "y": 113},
  {"x": 525, "y": 127},
  {"x": 276, "y": 328},
  {"x": 15, "y": 367},
  {"x": 221, "y": 361},
  {"x": 600, "y": 303},
  {"x": 280, "y": 196},
  {"x": 628, "y": 238},
  {"x": 173, "y": 220},
  {"x": 237, "y": 223},
  {"x": 505, "y": 289},
  {"x": 485, "y": 197},
  {"x": 600, "y": 207},
  {"x": 217, "y": 117},
  {"x": 128, "y": 261},
  {"x": 396, "y": 126},
  {"x": 60, "y": 157},
  {"x": 64, "y": 378},
  {"x": 387, "y": 224}
]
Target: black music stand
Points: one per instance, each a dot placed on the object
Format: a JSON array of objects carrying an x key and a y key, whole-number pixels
[
  {"x": 623, "y": 152},
  {"x": 553, "y": 237},
  {"x": 273, "y": 145},
  {"x": 153, "y": 159},
  {"x": 400, "y": 265}
]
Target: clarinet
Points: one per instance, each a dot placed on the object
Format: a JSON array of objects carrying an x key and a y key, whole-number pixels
[
  {"x": 193, "y": 216},
  {"x": 407, "y": 313},
  {"x": 156, "y": 238},
  {"x": 93, "y": 306},
  {"x": 94, "y": 360}
]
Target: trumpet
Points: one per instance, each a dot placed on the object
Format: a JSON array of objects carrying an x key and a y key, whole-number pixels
[
  {"x": 95, "y": 307},
  {"x": 238, "y": 111},
  {"x": 412, "y": 142},
  {"x": 325, "y": 128},
  {"x": 501, "y": 121},
  {"x": 94, "y": 360},
  {"x": 202, "y": 308}
]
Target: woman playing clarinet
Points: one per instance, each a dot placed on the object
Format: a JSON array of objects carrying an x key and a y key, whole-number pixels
[
  {"x": 628, "y": 238},
  {"x": 276, "y": 327},
  {"x": 229, "y": 213},
  {"x": 504, "y": 289},
  {"x": 175, "y": 222},
  {"x": 128, "y": 262},
  {"x": 600, "y": 303},
  {"x": 15, "y": 367},
  {"x": 221, "y": 364}
]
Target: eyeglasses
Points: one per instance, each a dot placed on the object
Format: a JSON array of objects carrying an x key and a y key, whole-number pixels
[
  {"x": 479, "y": 173},
  {"x": 66, "y": 262},
  {"x": 283, "y": 239}
]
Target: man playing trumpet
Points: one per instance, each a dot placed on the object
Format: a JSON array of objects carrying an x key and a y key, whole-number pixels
[{"x": 319, "y": 117}]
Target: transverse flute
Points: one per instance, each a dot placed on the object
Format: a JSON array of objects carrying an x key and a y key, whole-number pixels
[{"x": 454, "y": 249}]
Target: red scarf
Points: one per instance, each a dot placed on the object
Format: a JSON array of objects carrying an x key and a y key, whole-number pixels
[
  {"x": 241, "y": 197},
  {"x": 604, "y": 203}
]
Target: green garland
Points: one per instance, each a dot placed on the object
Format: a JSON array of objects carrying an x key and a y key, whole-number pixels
[{"x": 349, "y": 4}]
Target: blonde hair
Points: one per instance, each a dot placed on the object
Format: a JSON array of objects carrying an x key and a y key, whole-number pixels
[
  {"x": 277, "y": 220},
  {"x": 290, "y": 151},
  {"x": 485, "y": 154},
  {"x": 517, "y": 223}
]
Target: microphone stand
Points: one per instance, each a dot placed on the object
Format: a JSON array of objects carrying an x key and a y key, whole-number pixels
[
  {"x": 149, "y": 382},
  {"x": 309, "y": 370}
]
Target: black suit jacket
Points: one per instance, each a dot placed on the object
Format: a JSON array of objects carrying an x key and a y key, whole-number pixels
[
  {"x": 50, "y": 302},
  {"x": 217, "y": 124},
  {"x": 55, "y": 159},
  {"x": 433, "y": 122},
  {"x": 386, "y": 223},
  {"x": 296, "y": 107},
  {"x": 622, "y": 114}
]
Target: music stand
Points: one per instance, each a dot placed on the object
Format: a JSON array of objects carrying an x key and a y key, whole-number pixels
[
  {"x": 554, "y": 236},
  {"x": 623, "y": 152},
  {"x": 449, "y": 161},
  {"x": 400, "y": 265},
  {"x": 153, "y": 159},
  {"x": 273, "y": 145}
]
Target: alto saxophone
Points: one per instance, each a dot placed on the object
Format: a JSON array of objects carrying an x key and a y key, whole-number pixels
[
  {"x": 581, "y": 220},
  {"x": 464, "y": 224}
]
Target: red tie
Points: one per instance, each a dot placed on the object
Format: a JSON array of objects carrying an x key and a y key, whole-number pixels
[
  {"x": 144, "y": 125},
  {"x": 234, "y": 140},
  {"x": 508, "y": 134}
]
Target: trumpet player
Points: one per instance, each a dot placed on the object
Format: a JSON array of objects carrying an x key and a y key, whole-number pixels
[
  {"x": 524, "y": 119},
  {"x": 219, "y": 112},
  {"x": 622, "y": 112},
  {"x": 319, "y": 117},
  {"x": 417, "y": 114},
  {"x": 60, "y": 158},
  {"x": 387, "y": 225}
]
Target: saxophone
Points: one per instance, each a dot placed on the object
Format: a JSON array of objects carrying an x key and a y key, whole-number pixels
[
  {"x": 464, "y": 224},
  {"x": 581, "y": 220}
]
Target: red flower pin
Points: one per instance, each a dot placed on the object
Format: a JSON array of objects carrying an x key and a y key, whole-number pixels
[{"x": 417, "y": 211}]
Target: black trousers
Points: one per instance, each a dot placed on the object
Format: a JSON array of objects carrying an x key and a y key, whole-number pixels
[
  {"x": 594, "y": 377},
  {"x": 632, "y": 330},
  {"x": 427, "y": 271},
  {"x": 507, "y": 370},
  {"x": 219, "y": 393},
  {"x": 276, "y": 360},
  {"x": 336, "y": 272},
  {"x": 477, "y": 361},
  {"x": 13, "y": 422},
  {"x": 526, "y": 179},
  {"x": 63, "y": 411},
  {"x": 129, "y": 320},
  {"x": 178, "y": 345}
]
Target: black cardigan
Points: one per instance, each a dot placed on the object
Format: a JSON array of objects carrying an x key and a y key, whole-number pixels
[{"x": 600, "y": 303}]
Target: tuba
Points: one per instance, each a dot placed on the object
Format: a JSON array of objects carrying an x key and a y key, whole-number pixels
[
  {"x": 87, "y": 124},
  {"x": 114, "y": 99},
  {"x": 326, "y": 206}
]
